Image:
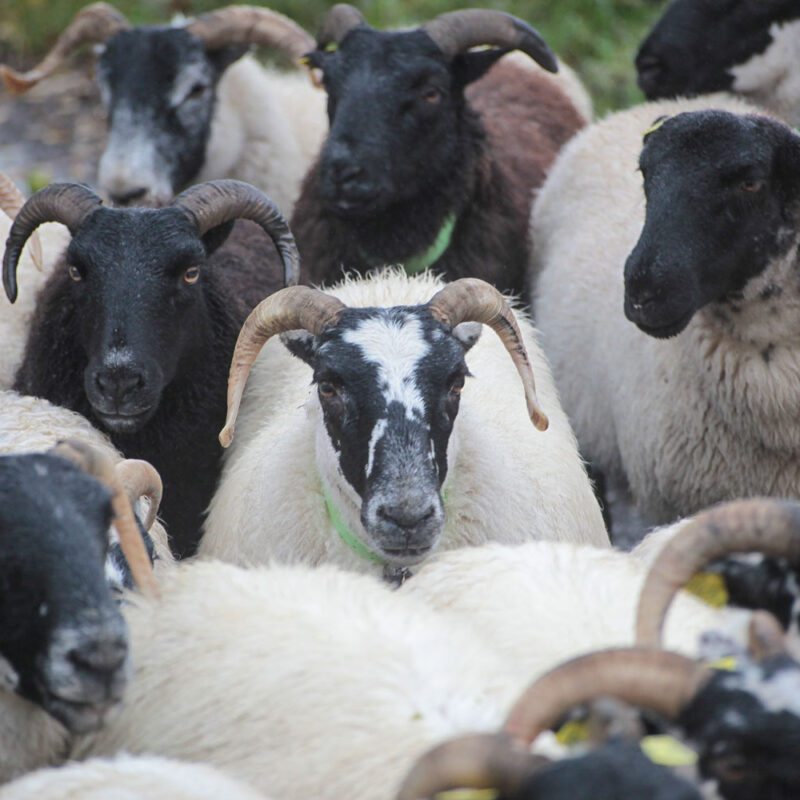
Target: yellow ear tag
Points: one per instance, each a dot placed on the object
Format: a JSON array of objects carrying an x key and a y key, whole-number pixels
[
  {"x": 727, "y": 663},
  {"x": 304, "y": 60},
  {"x": 468, "y": 794},
  {"x": 331, "y": 47},
  {"x": 709, "y": 587},
  {"x": 571, "y": 733},
  {"x": 667, "y": 751},
  {"x": 655, "y": 126}
]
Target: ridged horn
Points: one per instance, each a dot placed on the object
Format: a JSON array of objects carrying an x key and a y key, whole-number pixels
[
  {"x": 769, "y": 526},
  {"x": 655, "y": 679},
  {"x": 457, "y": 31},
  {"x": 474, "y": 300},
  {"x": 99, "y": 465},
  {"x": 67, "y": 203},
  {"x": 766, "y": 638},
  {"x": 341, "y": 19},
  {"x": 252, "y": 25},
  {"x": 11, "y": 201},
  {"x": 141, "y": 479},
  {"x": 480, "y": 761},
  {"x": 215, "y": 202},
  {"x": 297, "y": 307},
  {"x": 91, "y": 25}
]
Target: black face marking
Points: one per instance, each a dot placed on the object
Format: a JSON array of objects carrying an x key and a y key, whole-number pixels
[{"x": 721, "y": 193}]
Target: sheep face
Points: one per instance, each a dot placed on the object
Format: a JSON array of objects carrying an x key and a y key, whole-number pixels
[
  {"x": 696, "y": 43},
  {"x": 62, "y": 640},
  {"x": 391, "y": 95},
  {"x": 135, "y": 280},
  {"x": 721, "y": 194},
  {"x": 159, "y": 89},
  {"x": 388, "y": 382}
]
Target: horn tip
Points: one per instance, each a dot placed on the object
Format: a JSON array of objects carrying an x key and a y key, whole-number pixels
[
  {"x": 226, "y": 435},
  {"x": 17, "y": 82},
  {"x": 540, "y": 421}
]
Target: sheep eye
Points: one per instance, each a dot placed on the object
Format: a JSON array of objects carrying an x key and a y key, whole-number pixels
[
  {"x": 431, "y": 95},
  {"x": 74, "y": 273},
  {"x": 327, "y": 390},
  {"x": 731, "y": 767},
  {"x": 192, "y": 275},
  {"x": 457, "y": 385},
  {"x": 196, "y": 91},
  {"x": 751, "y": 186}
]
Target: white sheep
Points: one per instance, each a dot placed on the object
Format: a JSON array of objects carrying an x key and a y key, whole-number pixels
[
  {"x": 711, "y": 413},
  {"x": 506, "y": 481},
  {"x": 128, "y": 778}
]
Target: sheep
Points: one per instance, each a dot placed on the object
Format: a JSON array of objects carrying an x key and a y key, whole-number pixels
[
  {"x": 710, "y": 413},
  {"x": 747, "y": 47},
  {"x": 207, "y": 112},
  {"x": 425, "y": 165},
  {"x": 63, "y": 643},
  {"x": 135, "y": 329},
  {"x": 134, "y": 778},
  {"x": 303, "y": 484},
  {"x": 34, "y": 268}
]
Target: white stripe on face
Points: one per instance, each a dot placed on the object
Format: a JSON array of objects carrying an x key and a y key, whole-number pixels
[{"x": 377, "y": 432}]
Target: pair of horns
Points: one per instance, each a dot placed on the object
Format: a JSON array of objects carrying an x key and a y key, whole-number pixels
[
  {"x": 454, "y": 32},
  {"x": 127, "y": 481},
  {"x": 206, "y": 205},
  {"x": 96, "y": 23},
  {"x": 301, "y": 307},
  {"x": 662, "y": 681}
]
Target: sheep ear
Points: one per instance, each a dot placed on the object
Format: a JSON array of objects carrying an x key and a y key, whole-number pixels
[
  {"x": 216, "y": 236},
  {"x": 223, "y": 57},
  {"x": 468, "y": 67},
  {"x": 301, "y": 344},
  {"x": 468, "y": 333}
]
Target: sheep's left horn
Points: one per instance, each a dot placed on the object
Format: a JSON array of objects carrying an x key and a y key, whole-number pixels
[
  {"x": 298, "y": 307},
  {"x": 769, "y": 526},
  {"x": 216, "y": 202},
  {"x": 252, "y": 25},
  {"x": 341, "y": 19},
  {"x": 141, "y": 479},
  {"x": 67, "y": 203},
  {"x": 91, "y": 25},
  {"x": 655, "y": 679},
  {"x": 98, "y": 464},
  {"x": 457, "y": 31},
  {"x": 11, "y": 201},
  {"x": 480, "y": 761},
  {"x": 474, "y": 300}
]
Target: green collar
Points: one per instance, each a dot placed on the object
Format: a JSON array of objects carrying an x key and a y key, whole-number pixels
[
  {"x": 348, "y": 537},
  {"x": 429, "y": 257}
]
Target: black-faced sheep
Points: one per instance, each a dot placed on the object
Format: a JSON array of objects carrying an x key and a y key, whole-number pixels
[
  {"x": 749, "y": 47},
  {"x": 418, "y": 168},
  {"x": 135, "y": 331},
  {"x": 385, "y": 456},
  {"x": 709, "y": 413},
  {"x": 184, "y": 106}
]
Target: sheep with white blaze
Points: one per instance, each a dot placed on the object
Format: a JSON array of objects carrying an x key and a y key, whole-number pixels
[
  {"x": 693, "y": 394},
  {"x": 386, "y": 457},
  {"x": 184, "y": 106}
]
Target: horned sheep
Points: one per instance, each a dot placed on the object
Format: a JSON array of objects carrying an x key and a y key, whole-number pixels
[
  {"x": 185, "y": 105},
  {"x": 376, "y": 461},
  {"x": 709, "y": 413}
]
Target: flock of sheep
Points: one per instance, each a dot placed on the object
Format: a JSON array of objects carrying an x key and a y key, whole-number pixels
[{"x": 380, "y": 568}]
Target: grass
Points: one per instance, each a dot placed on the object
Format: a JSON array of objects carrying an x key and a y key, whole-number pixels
[{"x": 597, "y": 37}]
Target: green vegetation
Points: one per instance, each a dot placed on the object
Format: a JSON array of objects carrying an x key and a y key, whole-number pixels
[{"x": 597, "y": 37}]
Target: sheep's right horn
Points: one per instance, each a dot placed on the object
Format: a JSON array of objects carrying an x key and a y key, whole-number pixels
[
  {"x": 341, "y": 19},
  {"x": 67, "y": 203},
  {"x": 662, "y": 681},
  {"x": 251, "y": 25},
  {"x": 11, "y": 201},
  {"x": 769, "y": 526},
  {"x": 91, "y": 25},
  {"x": 141, "y": 479},
  {"x": 480, "y": 761},
  {"x": 98, "y": 464},
  {"x": 288, "y": 309}
]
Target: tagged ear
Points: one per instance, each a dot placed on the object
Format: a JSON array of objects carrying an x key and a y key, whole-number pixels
[
  {"x": 468, "y": 67},
  {"x": 223, "y": 57},
  {"x": 216, "y": 236},
  {"x": 301, "y": 344},
  {"x": 468, "y": 333}
]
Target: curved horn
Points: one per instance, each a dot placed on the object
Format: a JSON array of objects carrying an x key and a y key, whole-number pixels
[
  {"x": 771, "y": 527},
  {"x": 765, "y": 637},
  {"x": 457, "y": 31},
  {"x": 11, "y": 201},
  {"x": 252, "y": 25},
  {"x": 341, "y": 19},
  {"x": 98, "y": 464},
  {"x": 662, "y": 681},
  {"x": 215, "y": 202},
  {"x": 67, "y": 203},
  {"x": 288, "y": 309},
  {"x": 141, "y": 479},
  {"x": 480, "y": 761},
  {"x": 474, "y": 300},
  {"x": 91, "y": 25}
]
